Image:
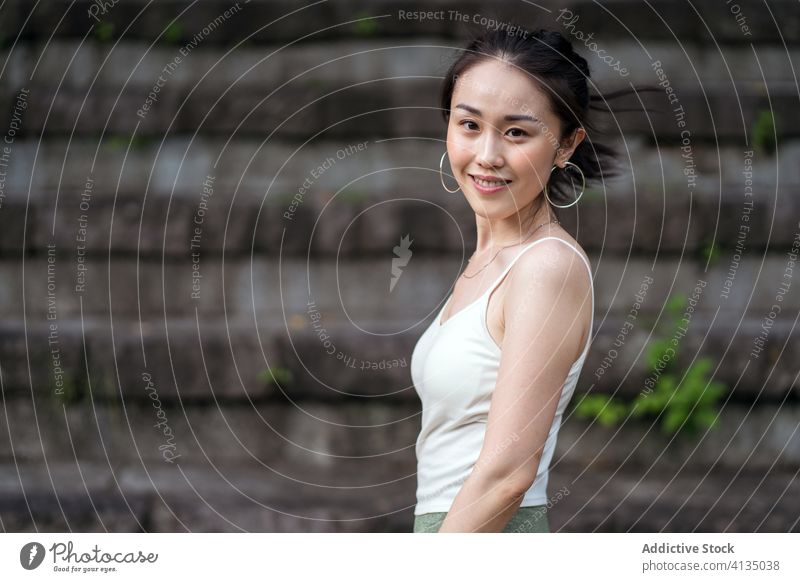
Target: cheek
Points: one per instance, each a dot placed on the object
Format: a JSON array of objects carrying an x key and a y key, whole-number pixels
[
  {"x": 532, "y": 164},
  {"x": 458, "y": 150}
]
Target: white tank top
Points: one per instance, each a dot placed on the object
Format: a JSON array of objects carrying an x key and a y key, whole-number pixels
[{"x": 454, "y": 370}]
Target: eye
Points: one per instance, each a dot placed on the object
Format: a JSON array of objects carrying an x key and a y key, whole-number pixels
[
  {"x": 522, "y": 132},
  {"x": 466, "y": 121}
]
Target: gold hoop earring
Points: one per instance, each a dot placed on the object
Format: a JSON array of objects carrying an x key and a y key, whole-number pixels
[
  {"x": 441, "y": 177},
  {"x": 583, "y": 187}
]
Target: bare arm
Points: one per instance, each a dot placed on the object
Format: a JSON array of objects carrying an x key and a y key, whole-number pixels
[{"x": 542, "y": 310}]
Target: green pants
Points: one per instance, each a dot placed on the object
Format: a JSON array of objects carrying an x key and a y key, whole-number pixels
[{"x": 531, "y": 519}]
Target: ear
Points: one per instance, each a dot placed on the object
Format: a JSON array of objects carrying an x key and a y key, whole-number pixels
[{"x": 568, "y": 146}]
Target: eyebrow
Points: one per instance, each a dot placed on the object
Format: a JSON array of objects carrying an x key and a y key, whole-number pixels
[{"x": 506, "y": 118}]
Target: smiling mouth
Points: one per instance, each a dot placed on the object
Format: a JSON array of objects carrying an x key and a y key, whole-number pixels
[{"x": 492, "y": 184}]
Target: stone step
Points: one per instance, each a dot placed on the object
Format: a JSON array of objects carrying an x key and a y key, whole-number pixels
[
  {"x": 380, "y": 109},
  {"x": 760, "y": 437},
  {"x": 336, "y": 171},
  {"x": 318, "y": 436},
  {"x": 308, "y": 435},
  {"x": 357, "y": 291},
  {"x": 282, "y": 21},
  {"x": 695, "y": 499},
  {"x": 162, "y": 228},
  {"x": 136, "y": 65},
  {"x": 236, "y": 498},
  {"x": 338, "y": 362},
  {"x": 207, "y": 497}
]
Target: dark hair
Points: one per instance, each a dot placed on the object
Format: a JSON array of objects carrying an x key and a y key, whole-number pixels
[{"x": 562, "y": 74}]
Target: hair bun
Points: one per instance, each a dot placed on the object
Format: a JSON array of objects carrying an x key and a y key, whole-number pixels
[{"x": 563, "y": 45}]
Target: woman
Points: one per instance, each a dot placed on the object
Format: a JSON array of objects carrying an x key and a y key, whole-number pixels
[{"x": 498, "y": 366}]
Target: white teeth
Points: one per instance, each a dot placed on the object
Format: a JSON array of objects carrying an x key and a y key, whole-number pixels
[{"x": 486, "y": 183}]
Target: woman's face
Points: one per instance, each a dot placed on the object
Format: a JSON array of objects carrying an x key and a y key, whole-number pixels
[{"x": 501, "y": 127}]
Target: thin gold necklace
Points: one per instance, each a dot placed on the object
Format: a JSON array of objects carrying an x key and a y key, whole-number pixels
[{"x": 505, "y": 247}]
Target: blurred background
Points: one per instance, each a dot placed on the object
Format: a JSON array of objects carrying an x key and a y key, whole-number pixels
[{"x": 222, "y": 231}]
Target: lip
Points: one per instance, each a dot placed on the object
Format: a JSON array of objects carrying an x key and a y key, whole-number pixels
[{"x": 485, "y": 190}]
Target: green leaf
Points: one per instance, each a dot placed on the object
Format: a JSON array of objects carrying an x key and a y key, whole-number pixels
[
  {"x": 276, "y": 374},
  {"x": 602, "y": 408},
  {"x": 174, "y": 33},
  {"x": 764, "y": 134},
  {"x": 706, "y": 418},
  {"x": 104, "y": 31},
  {"x": 676, "y": 304},
  {"x": 365, "y": 26},
  {"x": 673, "y": 420}
]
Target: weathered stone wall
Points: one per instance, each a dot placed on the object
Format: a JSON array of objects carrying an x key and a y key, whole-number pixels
[{"x": 157, "y": 257}]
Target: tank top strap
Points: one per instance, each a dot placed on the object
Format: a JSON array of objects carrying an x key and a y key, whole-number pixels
[
  {"x": 588, "y": 268},
  {"x": 514, "y": 260}
]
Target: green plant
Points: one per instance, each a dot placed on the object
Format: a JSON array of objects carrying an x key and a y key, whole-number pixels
[
  {"x": 601, "y": 407},
  {"x": 680, "y": 402},
  {"x": 173, "y": 33},
  {"x": 709, "y": 251},
  {"x": 365, "y": 26},
  {"x": 764, "y": 136},
  {"x": 104, "y": 31},
  {"x": 688, "y": 404},
  {"x": 276, "y": 374},
  {"x": 120, "y": 142},
  {"x": 69, "y": 392}
]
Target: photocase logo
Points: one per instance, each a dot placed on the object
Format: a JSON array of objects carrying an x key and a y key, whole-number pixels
[
  {"x": 400, "y": 260},
  {"x": 31, "y": 555},
  {"x": 100, "y": 7}
]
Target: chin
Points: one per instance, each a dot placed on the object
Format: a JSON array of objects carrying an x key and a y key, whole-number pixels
[{"x": 493, "y": 214}]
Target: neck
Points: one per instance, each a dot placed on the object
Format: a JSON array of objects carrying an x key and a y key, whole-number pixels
[{"x": 494, "y": 234}]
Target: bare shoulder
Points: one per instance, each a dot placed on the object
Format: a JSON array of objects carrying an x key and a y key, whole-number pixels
[{"x": 553, "y": 260}]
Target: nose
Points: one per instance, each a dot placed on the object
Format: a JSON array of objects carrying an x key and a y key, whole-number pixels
[{"x": 489, "y": 153}]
